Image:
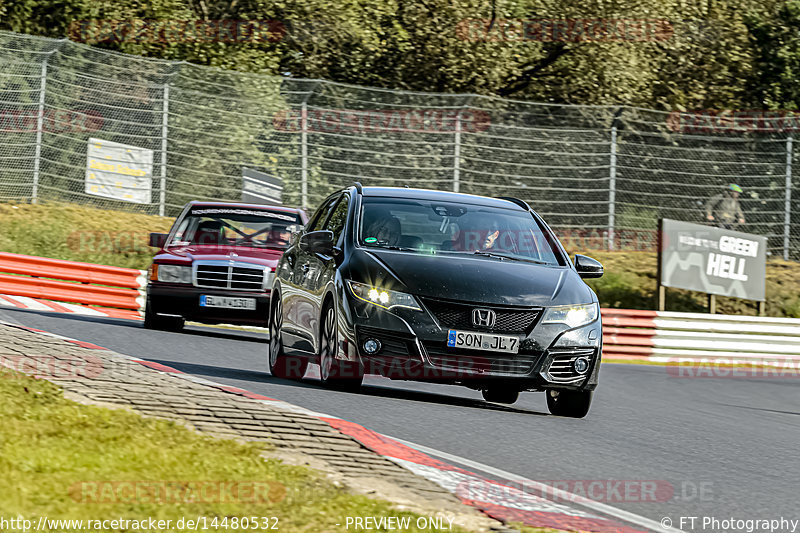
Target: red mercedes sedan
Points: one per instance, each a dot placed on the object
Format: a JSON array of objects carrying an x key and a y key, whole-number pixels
[{"x": 217, "y": 264}]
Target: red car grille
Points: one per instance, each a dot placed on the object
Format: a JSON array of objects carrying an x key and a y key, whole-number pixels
[{"x": 232, "y": 277}]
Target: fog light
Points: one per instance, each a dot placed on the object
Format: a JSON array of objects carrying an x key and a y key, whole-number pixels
[
  {"x": 372, "y": 346},
  {"x": 581, "y": 365}
]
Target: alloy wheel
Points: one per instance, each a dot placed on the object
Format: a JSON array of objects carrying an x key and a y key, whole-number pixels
[
  {"x": 327, "y": 353},
  {"x": 275, "y": 332}
]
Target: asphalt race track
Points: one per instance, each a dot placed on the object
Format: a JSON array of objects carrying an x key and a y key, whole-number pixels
[{"x": 730, "y": 448}]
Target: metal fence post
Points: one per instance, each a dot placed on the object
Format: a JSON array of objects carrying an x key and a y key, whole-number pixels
[
  {"x": 39, "y": 130},
  {"x": 37, "y": 158},
  {"x": 304, "y": 155},
  {"x": 457, "y": 155},
  {"x": 612, "y": 186},
  {"x": 162, "y": 203},
  {"x": 787, "y": 209}
]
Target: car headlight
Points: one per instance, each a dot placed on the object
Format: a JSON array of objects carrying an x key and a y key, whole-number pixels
[
  {"x": 385, "y": 298},
  {"x": 172, "y": 273},
  {"x": 571, "y": 315}
]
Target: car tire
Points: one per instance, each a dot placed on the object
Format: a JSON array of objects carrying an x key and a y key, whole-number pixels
[
  {"x": 153, "y": 320},
  {"x": 343, "y": 375},
  {"x": 500, "y": 395},
  {"x": 571, "y": 404},
  {"x": 281, "y": 365}
]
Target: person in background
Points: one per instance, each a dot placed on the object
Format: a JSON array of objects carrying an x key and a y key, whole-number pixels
[{"x": 724, "y": 209}]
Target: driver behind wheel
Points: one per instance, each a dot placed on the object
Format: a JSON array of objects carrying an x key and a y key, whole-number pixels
[
  {"x": 386, "y": 230},
  {"x": 280, "y": 236},
  {"x": 209, "y": 232}
]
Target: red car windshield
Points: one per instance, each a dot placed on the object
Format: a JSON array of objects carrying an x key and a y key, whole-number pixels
[{"x": 225, "y": 226}]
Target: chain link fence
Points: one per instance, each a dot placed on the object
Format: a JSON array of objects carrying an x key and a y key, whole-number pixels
[{"x": 601, "y": 176}]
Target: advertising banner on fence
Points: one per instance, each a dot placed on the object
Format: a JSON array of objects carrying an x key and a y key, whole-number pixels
[
  {"x": 119, "y": 171},
  {"x": 713, "y": 260},
  {"x": 260, "y": 188}
]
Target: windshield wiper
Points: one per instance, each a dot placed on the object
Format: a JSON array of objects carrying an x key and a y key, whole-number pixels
[
  {"x": 511, "y": 257},
  {"x": 395, "y": 247}
]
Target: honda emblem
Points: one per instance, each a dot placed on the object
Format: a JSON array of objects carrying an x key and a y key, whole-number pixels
[{"x": 484, "y": 317}]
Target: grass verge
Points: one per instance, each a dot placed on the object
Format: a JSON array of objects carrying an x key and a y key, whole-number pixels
[
  {"x": 67, "y": 231},
  {"x": 75, "y": 233},
  {"x": 65, "y": 460}
]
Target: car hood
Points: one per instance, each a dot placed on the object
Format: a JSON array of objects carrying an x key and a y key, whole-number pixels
[
  {"x": 472, "y": 278},
  {"x": 260, "y": 256}
]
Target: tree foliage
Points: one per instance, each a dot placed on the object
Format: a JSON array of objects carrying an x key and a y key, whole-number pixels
[
  {"x": 776, "y": 37},
  {"x": 714, "y": 54}
]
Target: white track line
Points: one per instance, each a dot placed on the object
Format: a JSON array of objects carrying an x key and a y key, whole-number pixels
[{"x": 545, "y": 489}]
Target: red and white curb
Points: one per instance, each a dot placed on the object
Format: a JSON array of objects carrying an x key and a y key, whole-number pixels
[
  {"x": 501, "y": 501},
  {"x": 49, "y": 306}
]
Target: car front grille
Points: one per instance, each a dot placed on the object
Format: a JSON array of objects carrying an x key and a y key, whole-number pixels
[
  {"x": 459, "y": 316},
  {"x": 480, "y": 362},
  {"x": 561, "y": 368},
  {"x": 236, "y": 276}
]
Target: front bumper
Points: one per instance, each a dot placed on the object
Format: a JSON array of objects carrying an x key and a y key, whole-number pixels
[
  {"x": 184, "y": 301},
  {"x": 414, "y": 347}
]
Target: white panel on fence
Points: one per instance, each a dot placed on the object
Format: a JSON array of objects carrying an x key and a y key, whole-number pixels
[{"x": 119, "y": 171}]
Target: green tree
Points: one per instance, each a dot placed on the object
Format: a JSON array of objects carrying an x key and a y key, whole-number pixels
[{"x": 776, "y": 37}]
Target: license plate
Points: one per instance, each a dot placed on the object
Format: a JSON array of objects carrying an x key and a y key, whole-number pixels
[
  {"x": 225, "y": 302},
  {"x": 472, "y": 340}
]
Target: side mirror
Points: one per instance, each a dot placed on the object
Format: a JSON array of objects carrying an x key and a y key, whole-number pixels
[
  {"x": 317, "y": 242},
  {"x": 588, "y": 267},
  {"x": 158, "y": 240}
]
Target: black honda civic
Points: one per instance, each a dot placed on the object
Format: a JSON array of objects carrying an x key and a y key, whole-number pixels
[{"x": 438, "y": 287}]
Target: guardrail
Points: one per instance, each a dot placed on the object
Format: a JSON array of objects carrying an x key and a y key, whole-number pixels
[
  {"x": 667, "y": 336},
  {"x": 627, "y": 333},
  {"x": 113, "y": 291}
]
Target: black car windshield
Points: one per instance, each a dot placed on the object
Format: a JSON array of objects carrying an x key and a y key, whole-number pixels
[
  {"x": 432, "y": 226},
  {"x": 224, "y": 226}
]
